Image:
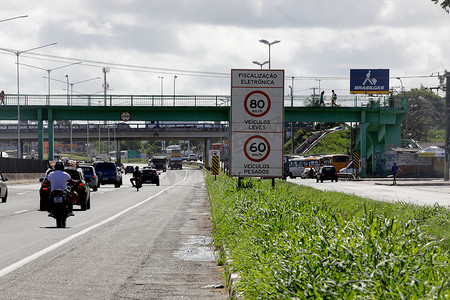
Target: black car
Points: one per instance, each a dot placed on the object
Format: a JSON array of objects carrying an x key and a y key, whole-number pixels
[
  {"x": 326, "y": 173},
  {"x": 129, "y": 169},
  {"x": 150, "y": 175},
  {"x": 82, "y": 189},
  {"x": 108, "y": 173}
]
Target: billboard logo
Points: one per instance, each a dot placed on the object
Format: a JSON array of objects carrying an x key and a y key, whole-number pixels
[{"x": 369, "y": 81}]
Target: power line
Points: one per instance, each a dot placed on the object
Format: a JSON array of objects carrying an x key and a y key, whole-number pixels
[
  {"x": 158, "y": 70},
  {"x": 130, "y": 67}
]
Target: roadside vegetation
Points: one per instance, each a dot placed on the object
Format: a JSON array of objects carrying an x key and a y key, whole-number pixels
[
  {"x": 295, "y": 242},
  {"x": 334, "y": 143}
]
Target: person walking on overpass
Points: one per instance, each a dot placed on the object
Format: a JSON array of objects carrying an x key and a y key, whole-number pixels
[
  {"x": 321, "y": 102},
  {"x": 333, "y": 98}
]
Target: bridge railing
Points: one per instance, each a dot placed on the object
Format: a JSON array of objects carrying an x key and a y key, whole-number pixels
[
  {"x": 120, "y": 126},
  {"x": 387, "y": 102}
]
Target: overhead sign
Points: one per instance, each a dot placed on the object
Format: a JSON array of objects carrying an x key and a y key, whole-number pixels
[
  {"x": 369, "y": 81},
  {"x": 257, "y": 121}
]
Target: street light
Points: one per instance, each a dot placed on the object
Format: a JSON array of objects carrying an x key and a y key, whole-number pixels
[
  {"x": 17, "y": 53},
  {"x": 25, "y": 16},
  {"x": 174, "y": 78},
  {"x": 162, "y": 88},
  {"x": 269, "y": 44},
  {"x": 71, "y": 95},
  {"x": 49, "y": 70},
  {"x": 260, "y": 64},
  {"x": 401, "y": 83},
  {"x": 162, "y": 84}
]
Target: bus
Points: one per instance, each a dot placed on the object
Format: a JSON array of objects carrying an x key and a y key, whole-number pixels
[
  {"x": 339, "y": 161},
  {"x": 298, "y": 165}
]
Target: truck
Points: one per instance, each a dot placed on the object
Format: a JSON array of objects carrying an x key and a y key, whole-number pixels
[
  {"x": 159, "y": 162},
  {"x": 175, "y": 159}
]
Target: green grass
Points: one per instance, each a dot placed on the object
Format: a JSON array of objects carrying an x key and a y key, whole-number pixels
[
  {"x": 334, "y": 143},
  {"x": 295, "y": 242}
]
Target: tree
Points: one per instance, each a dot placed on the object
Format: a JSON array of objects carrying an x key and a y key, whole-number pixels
[
  {"x": 445, "y": 4},
  {"x": 426, "y": 115}
]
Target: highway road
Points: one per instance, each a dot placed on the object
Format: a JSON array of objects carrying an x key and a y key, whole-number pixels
[
  {"x": 425, "y": 192},
  {"x": 151, "y": 244}
]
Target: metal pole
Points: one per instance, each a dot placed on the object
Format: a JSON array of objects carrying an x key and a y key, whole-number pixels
[
  {"x": 292, "y": 122},
  {"x": 174, "y": 77},
  {"x": 99, "y": 138},
  {"x": 19, "y": 148},
  {"x": 87, "y": 141},
  {"x": 269, "y": 57},
  {"x": 447, "y": 127}
]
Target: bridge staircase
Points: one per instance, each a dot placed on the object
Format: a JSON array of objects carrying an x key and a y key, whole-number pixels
[{"x": 314, "y": 139}]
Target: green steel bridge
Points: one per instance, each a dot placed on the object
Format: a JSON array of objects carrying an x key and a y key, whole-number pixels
[{"x": 380, "y": 117}]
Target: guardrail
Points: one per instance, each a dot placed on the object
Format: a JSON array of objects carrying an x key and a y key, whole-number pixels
[{"x": 387, "y": 102}]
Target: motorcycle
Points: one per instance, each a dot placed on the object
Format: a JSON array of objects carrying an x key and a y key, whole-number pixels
[
  {"x": 61, "y": 201},
  {"x": 138, "y": 183}
]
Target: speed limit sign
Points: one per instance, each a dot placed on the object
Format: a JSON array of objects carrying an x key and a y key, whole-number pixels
[
  {"x": 257, "y": 104},
  {"x": 257, "y": 122},
  {"x": 257, "y": 148},
  {"x": 125, "y": 116}
]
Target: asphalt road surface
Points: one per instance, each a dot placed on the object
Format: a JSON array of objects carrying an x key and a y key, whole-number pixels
[
  {"x": 151, "y": 244},
  {"x": 420, "y": 192}
]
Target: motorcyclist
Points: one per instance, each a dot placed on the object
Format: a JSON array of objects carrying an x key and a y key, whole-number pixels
[
  {"x": 58, "y": 181},
  {"x": 137, "y": 175}
]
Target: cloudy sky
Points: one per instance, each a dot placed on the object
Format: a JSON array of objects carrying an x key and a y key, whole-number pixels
[{"x": 200, "y": 41}]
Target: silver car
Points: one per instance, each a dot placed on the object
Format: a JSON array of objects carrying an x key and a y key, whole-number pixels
[
  {"x": 3, "y": 188},
  {"x": 89, "y": 172}
]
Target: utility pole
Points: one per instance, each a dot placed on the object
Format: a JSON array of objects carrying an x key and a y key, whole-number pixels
[
  {"x": 292, "y": 122},
  {"x": 447, "y": 125}
]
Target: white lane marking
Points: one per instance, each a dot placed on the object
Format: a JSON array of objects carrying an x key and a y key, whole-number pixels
[
  {"x": 38, "y": 254},
  {"x": 20, "y": 211},
  {"x": 21, "y": 193}
]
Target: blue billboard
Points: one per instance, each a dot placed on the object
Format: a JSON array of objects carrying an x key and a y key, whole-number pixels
[{"x": 369, "y": 81}]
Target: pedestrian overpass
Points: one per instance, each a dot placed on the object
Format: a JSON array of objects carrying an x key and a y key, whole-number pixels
[{"x": 380, "y": 117}]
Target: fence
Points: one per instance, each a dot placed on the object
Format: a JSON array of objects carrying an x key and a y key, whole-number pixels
[{"x": 372, "y": 101}]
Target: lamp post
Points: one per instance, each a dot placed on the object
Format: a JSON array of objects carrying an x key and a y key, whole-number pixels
[
  {"x": 174, "y": 78},
  {"x": 87, "y": 133},
  {"x": 70, "y": 121},
  {"x": 49, "y": 70},
  {"x": 17, "y": 53},
  {"x": 269, "y": 44},
  {"x": 401, "y": 83},
  {"x": 292, "y": 122},
  {"x": 9, "y": 19},
  {"x": 261, "y": 64}
]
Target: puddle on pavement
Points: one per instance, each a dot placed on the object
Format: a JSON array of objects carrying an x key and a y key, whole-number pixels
[{"x": 196, "y": 248}]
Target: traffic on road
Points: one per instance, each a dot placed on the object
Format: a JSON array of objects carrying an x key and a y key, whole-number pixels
[{"x": 129, "y": 244}]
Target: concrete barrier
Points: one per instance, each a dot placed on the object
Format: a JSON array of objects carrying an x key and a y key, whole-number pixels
[{"x": 22, "y": 178}]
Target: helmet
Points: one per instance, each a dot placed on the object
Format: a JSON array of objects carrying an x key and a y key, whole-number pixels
[
  {"x": 136, "y": 168},
  {"x": 59, "y": 165}
]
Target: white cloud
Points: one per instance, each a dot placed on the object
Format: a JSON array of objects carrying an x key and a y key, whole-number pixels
[{"x": 319, "y": 38}]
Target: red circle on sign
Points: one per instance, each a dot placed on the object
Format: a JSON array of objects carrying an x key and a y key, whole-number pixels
[
  {"x": 125, "y": 116},
  {"x": 266, "y": 143},
  {"x": 265, "y": 111}
]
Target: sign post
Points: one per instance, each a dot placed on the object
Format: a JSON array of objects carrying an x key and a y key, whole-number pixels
[
  {"x": 215, "y": 166},
  {"x": 257, "y": 121}
]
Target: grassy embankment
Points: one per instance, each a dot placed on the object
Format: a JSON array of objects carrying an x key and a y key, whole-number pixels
[{"x": 298, "y": 242}]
